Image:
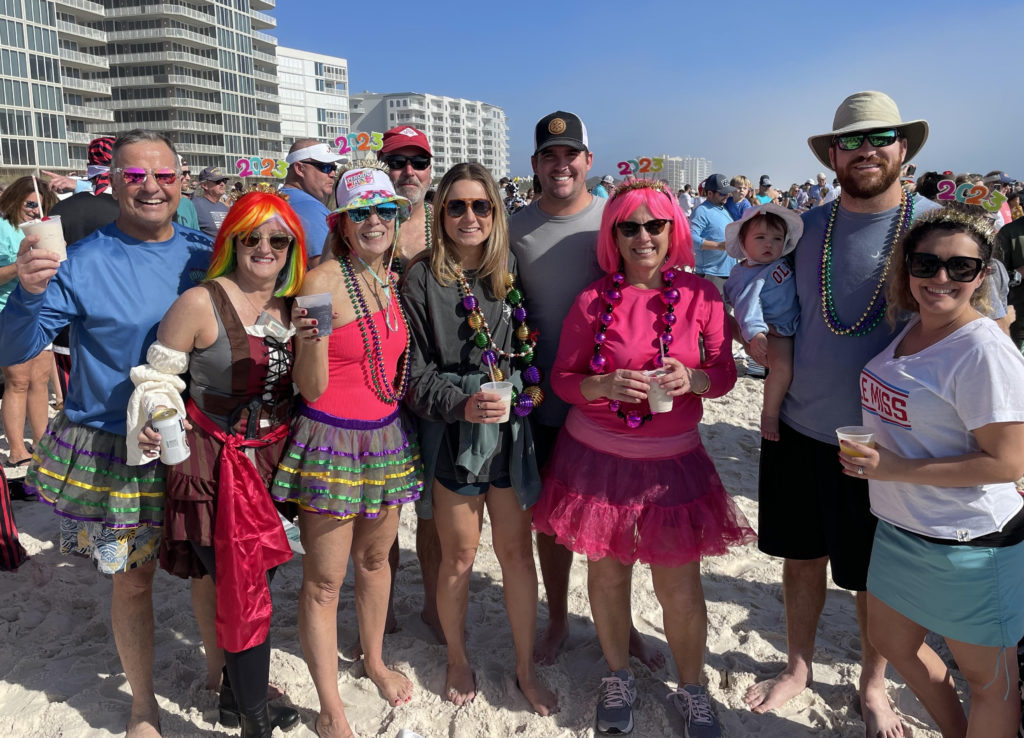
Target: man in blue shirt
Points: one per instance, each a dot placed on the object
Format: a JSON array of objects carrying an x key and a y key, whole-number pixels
[
  {"x": 113, "y": 290},
  {"x": 707, "y": 227},
  {"x": 308, "y": 184}
]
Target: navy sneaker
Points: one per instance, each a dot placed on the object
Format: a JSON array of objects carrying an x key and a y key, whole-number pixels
[
  {"x": 615, "y": 703},
  {"x": 694, "y": 705}
]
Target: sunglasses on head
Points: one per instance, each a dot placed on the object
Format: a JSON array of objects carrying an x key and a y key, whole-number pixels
[
  {"x": 959, "y": 268},
  {"x": 324, "y": 166},
  {"x": 277, "y": 241},
  {"x": 629, "y": 229},
  {"x": 878, "y": 139},
  {"x": 398, "y": 161},
  {"x": 457, "y": 208},
  {"x": 137, "y": 175},
  {"x": 386, "y": 211}
]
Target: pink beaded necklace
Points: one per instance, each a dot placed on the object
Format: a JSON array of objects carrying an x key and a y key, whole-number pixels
[{"x": 612, "y": 297}]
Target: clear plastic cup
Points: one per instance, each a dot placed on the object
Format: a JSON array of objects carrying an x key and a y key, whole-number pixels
[
  {"x": 51, "y": 235},
  {"x": 318, "y": 306},
  {"x": 659, "y": 399},
  {"x": 857, "y": 434},
  {"x": 504, "y": 389}
]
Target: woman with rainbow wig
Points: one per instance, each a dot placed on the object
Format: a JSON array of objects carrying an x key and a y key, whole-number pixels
[{"x": 233, "y": 335}]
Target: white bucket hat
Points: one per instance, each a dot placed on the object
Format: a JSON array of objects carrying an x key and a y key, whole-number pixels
[{"x": 794, "y": 229}]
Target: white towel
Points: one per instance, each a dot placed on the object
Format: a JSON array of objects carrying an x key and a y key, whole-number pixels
[{"x": 157, "y": 384}]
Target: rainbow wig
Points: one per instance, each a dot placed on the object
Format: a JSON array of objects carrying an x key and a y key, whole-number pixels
[
  {"x": 250, "y": 212},
  {"x": 662, "y": 204}
]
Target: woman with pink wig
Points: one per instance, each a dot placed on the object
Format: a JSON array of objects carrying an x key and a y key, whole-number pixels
[
  {"x": 233, "y": 335},
  {"x": 629, "y": 479}
]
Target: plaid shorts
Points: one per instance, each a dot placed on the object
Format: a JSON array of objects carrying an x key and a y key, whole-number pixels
[{"x": 112, "y": 550}]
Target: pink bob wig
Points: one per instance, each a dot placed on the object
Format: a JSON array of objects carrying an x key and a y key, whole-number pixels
[
  {"x": 250, "y": 212},
  {"x": 627, "y": 198}
]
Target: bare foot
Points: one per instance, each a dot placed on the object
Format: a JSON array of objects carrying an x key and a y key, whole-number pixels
[
  {"x": 274, "y": 692},
  {"x": 460, "y": 686},
  {"x": 144, "y": 721},
  {"x": 769, "y": 427},
  {"x": 644, "y": 652},
  {"x": 549, "y": 645},
  {"x": 775, "y": 692},
  {"x": 393, "y": 685},
  {"x": 333, "y": 726},
  {"x": 434, "y": 623},
  {"x": 543, "y": 700},
  {"x": 880, "y": 721}
]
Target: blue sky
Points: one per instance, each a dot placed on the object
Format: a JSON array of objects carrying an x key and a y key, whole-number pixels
[{"x": 741, "y": 83}]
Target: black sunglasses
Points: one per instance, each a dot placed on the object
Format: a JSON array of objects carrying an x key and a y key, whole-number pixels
[
  {"x": 878, "y": 139},
  {"x": 959, "y": 268},
  {"x": 398, "y": 161},
  {"x": 323, "y": 166},
  {"x": 277, "y": 241},
  {"x": 629, "y": 229},
  {"x": 457, "y": 208},
  {"x": 31, "y": 205}
]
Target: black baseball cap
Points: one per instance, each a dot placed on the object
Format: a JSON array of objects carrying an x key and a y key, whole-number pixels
[
  {"x": 560, "y": 129},
  {"x": 766, "y": 181},
  {"x": 719, "y": 183}
]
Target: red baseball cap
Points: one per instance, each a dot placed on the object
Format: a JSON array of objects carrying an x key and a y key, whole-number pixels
[{"x": 400, "y": 137}]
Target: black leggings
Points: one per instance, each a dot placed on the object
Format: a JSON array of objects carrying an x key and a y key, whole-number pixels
[{"x": 248, "y": 670}]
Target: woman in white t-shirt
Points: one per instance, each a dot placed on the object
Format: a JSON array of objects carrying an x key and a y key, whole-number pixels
[{"x": 946, "y": 403}]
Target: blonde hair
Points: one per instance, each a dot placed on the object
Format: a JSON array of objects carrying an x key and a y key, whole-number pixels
[{"x": 444, "y": 262}]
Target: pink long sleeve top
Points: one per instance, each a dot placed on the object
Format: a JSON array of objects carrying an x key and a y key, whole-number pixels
[{"x": 632, "y": 343}]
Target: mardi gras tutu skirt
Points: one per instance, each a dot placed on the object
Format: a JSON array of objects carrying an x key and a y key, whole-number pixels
[
  {"x": 666, "y": 512},
  {"x": 344, "y": 468}
]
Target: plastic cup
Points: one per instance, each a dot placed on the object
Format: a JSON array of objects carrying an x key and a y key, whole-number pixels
[
  {"x": 857, "y": 434},
  {"x": 318, "y": 306},
  {"x": 504, "y": 389},
  {"x": 51, "y": 235},
  {"x": 659, "y": 399}
]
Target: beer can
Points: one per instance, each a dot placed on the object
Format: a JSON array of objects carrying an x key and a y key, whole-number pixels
[{"x": 171, "y": 427}]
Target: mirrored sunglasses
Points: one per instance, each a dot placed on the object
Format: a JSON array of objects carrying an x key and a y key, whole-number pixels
[
  {"x": 386, "y": 211},
  {"x": 878, "y": 139},
  {"x": 137, "y": 175}
]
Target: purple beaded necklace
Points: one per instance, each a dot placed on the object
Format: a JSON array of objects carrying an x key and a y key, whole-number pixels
[{"x": 612, "y": 296}]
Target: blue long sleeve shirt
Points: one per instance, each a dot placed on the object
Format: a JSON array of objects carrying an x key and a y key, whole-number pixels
[{"x": 113, "y": 291}]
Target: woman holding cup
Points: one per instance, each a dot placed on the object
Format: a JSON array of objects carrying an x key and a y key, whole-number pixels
[
  {"x": 626, "y": 483},
  {"x": 945, "y": 403},
  {"x": 25, "y": 385},
  {"x": 231, "y": 335},
  {"x": 352, "y": 459},
  {"x": 470, "y": 342}
]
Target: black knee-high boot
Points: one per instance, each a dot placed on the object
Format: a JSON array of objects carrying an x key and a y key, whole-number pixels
[
  {"x": 257, "y": 725},
  {"x": 230, "y": 714}
]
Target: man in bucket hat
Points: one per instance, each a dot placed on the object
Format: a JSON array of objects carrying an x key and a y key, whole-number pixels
[{"x": 809, "y": 512}]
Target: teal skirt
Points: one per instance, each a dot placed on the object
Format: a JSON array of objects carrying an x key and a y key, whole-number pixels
[{"x": 967, "y": 593}]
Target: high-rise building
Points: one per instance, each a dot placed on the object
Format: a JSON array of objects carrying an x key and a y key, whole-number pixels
[
  {"x": 205, "y": 73},
  {"x": 314, "y": 95},
  {"x": 695, "y": 170},
  {"x": 458, "y": 130}
]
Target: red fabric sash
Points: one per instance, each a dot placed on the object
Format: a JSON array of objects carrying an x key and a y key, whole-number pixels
[{"x": 248, "y": 539}]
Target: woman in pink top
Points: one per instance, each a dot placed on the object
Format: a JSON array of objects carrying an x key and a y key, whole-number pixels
[
  {"x": 352, "y": 459},
  {"x": 629, "y": 479}
]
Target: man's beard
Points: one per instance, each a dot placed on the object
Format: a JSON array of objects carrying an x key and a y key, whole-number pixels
[
  {"x": 412, "y": 190},
  {"x": 862, "y": 188}
]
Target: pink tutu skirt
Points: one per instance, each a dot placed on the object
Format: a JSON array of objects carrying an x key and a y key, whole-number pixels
[{"x": 666, "y": 512}]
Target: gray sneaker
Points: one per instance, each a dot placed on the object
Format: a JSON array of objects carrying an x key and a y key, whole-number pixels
[
  {"x": 694, "y": 705},
  {"x": 615, "y": 703}
]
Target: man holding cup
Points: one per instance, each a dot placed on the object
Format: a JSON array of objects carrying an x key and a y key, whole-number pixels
[
  {"x": 113, "y": 292},
  {"x": 810, "y": 513}
]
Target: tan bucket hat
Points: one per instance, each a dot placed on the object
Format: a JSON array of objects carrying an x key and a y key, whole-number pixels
[{"x": 865, "y": 111}]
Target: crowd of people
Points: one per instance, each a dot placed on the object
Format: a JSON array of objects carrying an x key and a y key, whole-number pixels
[{"x": 543, "y": 359}]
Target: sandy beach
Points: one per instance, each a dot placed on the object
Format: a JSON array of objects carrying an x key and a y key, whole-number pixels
[{"x": 60, "y": 674}]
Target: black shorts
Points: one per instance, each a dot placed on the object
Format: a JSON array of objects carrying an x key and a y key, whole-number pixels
[{"x": 807, "y": 507}]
